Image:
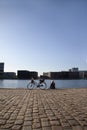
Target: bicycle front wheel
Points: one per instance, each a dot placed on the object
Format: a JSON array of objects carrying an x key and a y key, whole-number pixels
[{"x": 42, "y": 86}]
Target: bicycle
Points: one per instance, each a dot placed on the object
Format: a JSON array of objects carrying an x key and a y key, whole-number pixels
[{"x": 41, "y": 85}]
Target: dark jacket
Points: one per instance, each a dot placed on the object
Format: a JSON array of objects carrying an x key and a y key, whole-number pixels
[{"x": 52, "y": 85}]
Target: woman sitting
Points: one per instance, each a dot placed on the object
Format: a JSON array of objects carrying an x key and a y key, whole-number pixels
[{"x": 52, "y": 85}]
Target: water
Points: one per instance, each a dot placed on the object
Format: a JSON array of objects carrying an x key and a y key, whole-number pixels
[{"x": 58, "y": 83}]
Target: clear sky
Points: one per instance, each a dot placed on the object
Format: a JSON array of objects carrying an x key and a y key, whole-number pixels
[{"x": 43, "y": 35}]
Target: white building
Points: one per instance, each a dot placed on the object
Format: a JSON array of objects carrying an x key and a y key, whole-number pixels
[{"x": 75, "y": 69}]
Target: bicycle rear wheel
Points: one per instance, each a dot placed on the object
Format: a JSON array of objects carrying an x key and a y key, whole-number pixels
[{"x": 31, "y": 85}]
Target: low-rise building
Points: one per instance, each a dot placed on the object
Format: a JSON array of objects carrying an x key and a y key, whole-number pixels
[
  {"x": 52, "y": 75},
  {"x": 83, "y": 74},
  {"x": 34, "y": 74},
  {"x": 25, "y": 74},
  {"x": 9, "y": 75},
  {"x": 62, "y": 75},
  {"x": 75, "y": 69}
]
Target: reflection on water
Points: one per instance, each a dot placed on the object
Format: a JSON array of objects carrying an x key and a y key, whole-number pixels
[{"x": 58, "y": 83}]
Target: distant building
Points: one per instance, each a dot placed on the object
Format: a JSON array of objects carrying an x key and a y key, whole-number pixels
[
  {"x": 44, "y": 77},
  {"x": 52, "y": 75},
  {"x": 1, "y": 67},
  {"x": 62, "y": 75},
  {"x": 9, "y": 75},
  {"x": 74, "y": 75},
  {"x": 1, "y": 70},
  {"x": 1, "y": 75},
  {"x": 75, "y": 69},
  {"x": 25, "y": 74},
  {"x": 83, "y": 74},
  {"x": 33, "y": 74},
  {"x": 47, "y": 74}
]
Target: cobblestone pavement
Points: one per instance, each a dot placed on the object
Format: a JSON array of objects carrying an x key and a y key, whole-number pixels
[{"x": 61, "y": 109}]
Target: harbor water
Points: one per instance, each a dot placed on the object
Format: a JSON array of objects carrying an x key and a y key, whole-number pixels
[{"x": 58, "y": 83}]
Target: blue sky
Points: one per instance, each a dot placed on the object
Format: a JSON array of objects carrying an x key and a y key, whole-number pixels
[{"x": 43, "y": 35}]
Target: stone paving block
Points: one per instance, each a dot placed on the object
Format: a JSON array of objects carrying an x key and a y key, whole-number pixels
[
  {"x": 67, "y": 128},
  {"x": 44, "y": 119},
  {"x": 27, "y": 123},
  {"x": 16, "y": 127},
  {"x": 69, "y": 117},
  {"x": 13, "y": 117},
  {"x": 38, "y": 129},
  {"x": 85, "y": 128},
  {"x": 77, "y": 128},
  {"x": 2, "y": 122},
  {"x": 50, "y": 114},
  {"x": 35, "y": 117},
  {"x": 46, "y": 128},
  {"x": 35, "y": 111},
  {"x": 83, "y": 123},
  {"x": 36, "y": 120},
  {"x": 21, "y": 114},
  {"x": 5, "y": 129},
  {"x": 3, "y": 112},
  {"x": 73, "y": 122},
  {"x": 6, "y": 116},
  {"x": 52, "y": 118},
  {"x": 54, "y": 122},
  {"x": 36, "y": 125},
  {"x": 27, "y": 128},
  {"x": 6, "y": 126},
  {"x": 57, "y": 128},
  {"x": 18, "y": 122},
  {"x": 28, "y": 118},
  {"x": 10, "y": 121},
  {"x": 35, "y": 114},
  {"x": 42, "y": 116},
  {"x": 20, "y": 117},
  {"x": 45, "y": 124},
  {"x": 1, "y": 118},
  {"x": 64, "y": 124}
]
